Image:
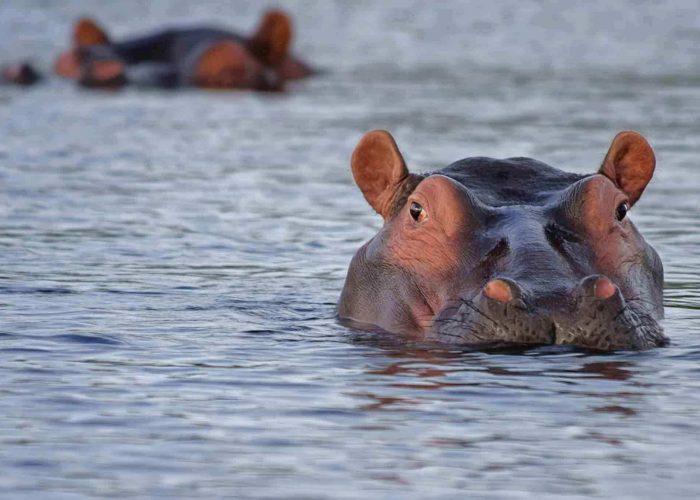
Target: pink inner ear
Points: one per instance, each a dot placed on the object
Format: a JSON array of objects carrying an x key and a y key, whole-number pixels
[
  {"x": 633, "y": 171},
  {"x": 630, "y": 164},
  {"x": 378, "y": 169}
]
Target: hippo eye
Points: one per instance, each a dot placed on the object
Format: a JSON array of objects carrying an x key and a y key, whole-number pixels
[
  {"x": 417, "y": 212},
  {"x": 621, "y": 211}
]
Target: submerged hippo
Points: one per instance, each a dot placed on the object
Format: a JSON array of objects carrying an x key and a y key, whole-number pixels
[
  {"x": 21, "y": 73},
  {"x": 199, "y": 56},
  {"x": 489, "y": 251}
]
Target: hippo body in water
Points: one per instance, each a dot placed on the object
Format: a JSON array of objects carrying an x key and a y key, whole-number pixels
[
  {"x": 199, "y": 56},
  {"x": 492, "y": 252}
]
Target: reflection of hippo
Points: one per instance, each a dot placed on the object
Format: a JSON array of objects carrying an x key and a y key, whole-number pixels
[
  {"x": 199, "y": 56},
  {"x": 490, "y": 251}
]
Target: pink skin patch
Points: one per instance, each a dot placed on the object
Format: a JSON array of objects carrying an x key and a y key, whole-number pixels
[
  {"x": 67, "y": 65},
  {"x": 604, "y": 288},
  {"x": 498, "y": 290},
  {"x": 106, "y": 70},
  {"x": 227, "y": 65},
  {"x": 11, "y": 73}
]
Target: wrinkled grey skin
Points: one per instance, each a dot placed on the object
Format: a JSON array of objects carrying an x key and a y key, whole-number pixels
[
  {"x": 523, "y": 227},
  {"x": 559, "y": 308}
]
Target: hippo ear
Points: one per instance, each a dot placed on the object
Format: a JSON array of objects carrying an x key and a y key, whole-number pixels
[
  {"x": 87, "y": 32},
  {"x": 273, "y": 37},
  {"x": 379, "y": 170},
  {"x": 629, "y": 164}
]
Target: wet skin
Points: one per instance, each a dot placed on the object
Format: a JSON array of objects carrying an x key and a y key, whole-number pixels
[{"x": 511, "y": 251}]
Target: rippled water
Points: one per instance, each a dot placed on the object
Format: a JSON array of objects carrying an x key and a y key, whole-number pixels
[{"x": 170, "y": 262}]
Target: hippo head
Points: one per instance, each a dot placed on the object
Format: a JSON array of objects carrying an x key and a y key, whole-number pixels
[{"x": 492, "y": 252}]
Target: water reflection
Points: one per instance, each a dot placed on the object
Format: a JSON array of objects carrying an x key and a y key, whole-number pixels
[
  {"x": 408, "y": 376},
  {"x": 610, "y": 370}
]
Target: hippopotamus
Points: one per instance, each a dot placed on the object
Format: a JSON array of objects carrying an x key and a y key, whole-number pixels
[
  {"x": 21, "y": 73},
  {"x": 492, "y": 252},
  {"x": 199, "y": 56}
]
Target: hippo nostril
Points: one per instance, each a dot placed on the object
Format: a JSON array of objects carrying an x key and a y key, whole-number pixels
[
  {"x": 604, "y": 288},
  {"x": 499, "y": 290},
  {"x": 599, "y": 287}
]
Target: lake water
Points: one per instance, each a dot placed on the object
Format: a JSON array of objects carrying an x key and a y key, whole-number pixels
[{"x": 170, "y": 262}]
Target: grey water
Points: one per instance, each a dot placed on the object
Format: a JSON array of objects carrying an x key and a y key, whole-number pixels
[{"x": 170, "y": 261}]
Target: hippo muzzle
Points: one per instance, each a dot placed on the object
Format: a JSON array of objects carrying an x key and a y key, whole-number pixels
[{"x": 595, "y": 315}]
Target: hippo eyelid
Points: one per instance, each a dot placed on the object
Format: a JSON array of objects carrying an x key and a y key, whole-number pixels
[
  {"x": 417, "y": 212},
  {"x": 622, "y": 210}
]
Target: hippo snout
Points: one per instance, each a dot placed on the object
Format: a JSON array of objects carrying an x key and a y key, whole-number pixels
[{"x": 594, "y": 314}]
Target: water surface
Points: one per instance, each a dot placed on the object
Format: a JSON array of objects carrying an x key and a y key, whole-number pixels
[{"x": 170, "y": 262}]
